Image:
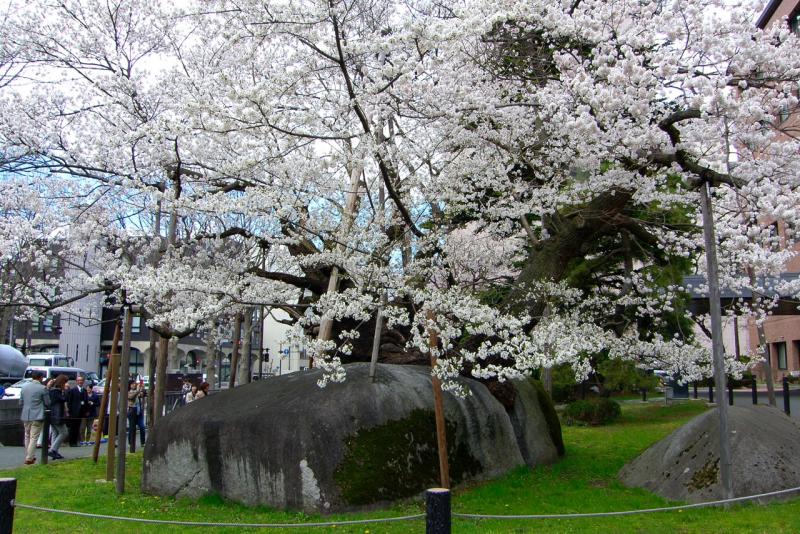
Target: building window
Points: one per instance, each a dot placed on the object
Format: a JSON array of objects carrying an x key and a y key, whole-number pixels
[
  {"x": 780, "y": 352},
  {"x": 47, "y": 324},
  {"x": 136, "y": 324}
]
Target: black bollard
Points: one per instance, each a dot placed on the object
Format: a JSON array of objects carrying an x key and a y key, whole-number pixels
[
  {"x": 786, "y": 407},
  {"x": 8, "y": 492},
  {"x": 730, "y": 394},
  {"x": 45, "y": 436},
  {"x": 644, "y": 395},
  {"x": 695, "y": 389},
  {"x": 754, "y": 390},
  {"x": 710, "y": 393},
  {"x": 437, "y": 511}
]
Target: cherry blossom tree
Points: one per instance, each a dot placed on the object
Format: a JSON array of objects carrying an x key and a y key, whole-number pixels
[{"x": 353, "y": 145}]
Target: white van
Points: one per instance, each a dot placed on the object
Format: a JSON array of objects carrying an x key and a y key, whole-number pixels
[
  {"x": 46, "y": 359},
  {"x": 51, "y": 372}
]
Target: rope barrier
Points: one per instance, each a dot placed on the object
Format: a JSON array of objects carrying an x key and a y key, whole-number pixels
[
  {"x": 209, "y": 524},
  {"x": 404, "y": 518},
  {"x": 627, "y": 512}
]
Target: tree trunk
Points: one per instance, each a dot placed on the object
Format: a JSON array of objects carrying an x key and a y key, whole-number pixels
[
  {"x": 246, "y": 364},
  {"x": 211, "y": 361},
  {"x": 237, "y": 338},
  {"x": 161, "y": 379},
  {"x": 762, "y": 342},
  {"x": 174, "y": 355},
  {"x": 547, "y": 380},
  {"x": 6, "y": 316},
  {"x": 151, "y": 395}
]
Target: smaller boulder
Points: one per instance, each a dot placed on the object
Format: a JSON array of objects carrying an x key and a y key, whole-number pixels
[{"x": 684, "y": 466}]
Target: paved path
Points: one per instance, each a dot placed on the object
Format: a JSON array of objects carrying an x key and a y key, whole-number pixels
[{"x": 11, "y": 457}]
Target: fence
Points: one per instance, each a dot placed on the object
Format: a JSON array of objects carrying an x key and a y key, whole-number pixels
[
  {"x": 784, "y": 391},
  {"x": 438, "y": 515}
]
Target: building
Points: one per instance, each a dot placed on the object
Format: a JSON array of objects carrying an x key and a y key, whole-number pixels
[{"x": 88, "y": 341}]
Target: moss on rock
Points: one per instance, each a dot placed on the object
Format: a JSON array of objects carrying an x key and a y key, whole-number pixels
[
  {"x": 550, "y": 415},
  {"x": 399, "y": 459}
]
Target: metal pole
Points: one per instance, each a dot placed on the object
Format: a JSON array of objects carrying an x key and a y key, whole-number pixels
[
  {"x": 730, "y": 393},
  {"x": 694, "y": 385},
  {"x": 786, "y": 407},
  {"x": 716, "y": 340},
  {"x": 754, "y": 390},
  {"x": 438, "y": 405},
  {"x": 437, "y": 511},
  {"x": 8, "y": 492}
]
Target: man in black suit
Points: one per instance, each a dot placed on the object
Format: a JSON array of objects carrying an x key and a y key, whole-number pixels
[{"x": 77, "y": 399}]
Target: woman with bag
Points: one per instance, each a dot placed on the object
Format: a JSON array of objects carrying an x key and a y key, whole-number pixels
[{"x": 58, "y": 415}]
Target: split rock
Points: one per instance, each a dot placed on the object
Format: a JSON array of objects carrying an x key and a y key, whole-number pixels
[{"x": 286, "y": 443}]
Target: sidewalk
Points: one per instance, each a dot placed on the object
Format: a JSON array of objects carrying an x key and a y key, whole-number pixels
[{"x": 11, "y": 457}]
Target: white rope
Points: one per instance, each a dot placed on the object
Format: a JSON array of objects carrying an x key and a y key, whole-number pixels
[
  {"x": 408, "y": 517},
  {"x": 208, "y": 524},
  {"x": 627, "y": 512}
]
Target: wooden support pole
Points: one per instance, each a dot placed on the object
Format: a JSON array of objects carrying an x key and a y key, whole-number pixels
[
  {"x": 124, "y": 375},
  {"x": 438, "y": 404},
  {"x": 101, "y": 417},
  {"x": 112, "y": 416}
]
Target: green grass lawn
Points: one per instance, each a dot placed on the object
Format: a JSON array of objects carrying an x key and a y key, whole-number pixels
[{"x": 584, "y": 481}]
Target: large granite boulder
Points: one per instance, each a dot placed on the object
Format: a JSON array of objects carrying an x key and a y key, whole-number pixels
[
  {"x": 286, "y": 443},
  {"x": 684, "y": 466}
]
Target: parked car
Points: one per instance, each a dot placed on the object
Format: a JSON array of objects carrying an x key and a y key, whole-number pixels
[{"x": 13, "y": 391}]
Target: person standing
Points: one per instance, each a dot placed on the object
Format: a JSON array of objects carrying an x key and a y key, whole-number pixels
[
  {"x": 58, "y": 414},
  {"x": 91, "y": 413},
  {"x": 35, "y": 400},
  {"x": 136, "y": 395},
  {"x": 185, "y": 389},
  {"x": 76, "y": 406},
  {"x": 203, "y": 391},
  {"x": 191, "y": 395}
]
